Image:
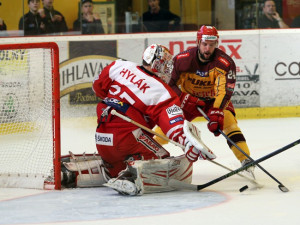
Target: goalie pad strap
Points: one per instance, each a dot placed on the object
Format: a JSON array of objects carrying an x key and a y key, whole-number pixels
[{"x": 83, "y": 165}]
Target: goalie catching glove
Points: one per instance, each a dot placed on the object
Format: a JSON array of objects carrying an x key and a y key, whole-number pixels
[{"x": 194, "y": 146}]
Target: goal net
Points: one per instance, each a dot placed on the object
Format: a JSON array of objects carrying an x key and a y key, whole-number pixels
[{"x": 29, "y": 116}]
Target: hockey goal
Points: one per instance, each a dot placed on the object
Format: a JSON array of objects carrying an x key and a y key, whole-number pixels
[{"x": 29, "y": 116}]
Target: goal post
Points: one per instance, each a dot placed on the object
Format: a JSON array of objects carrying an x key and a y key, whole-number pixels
[{"x": 30, "y": 116}]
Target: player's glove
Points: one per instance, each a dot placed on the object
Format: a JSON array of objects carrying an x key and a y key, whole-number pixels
[
  {"x": 216, "y": 120},
  {"x": 192, "y": 153},
  {"x": 190, "y": 103}
]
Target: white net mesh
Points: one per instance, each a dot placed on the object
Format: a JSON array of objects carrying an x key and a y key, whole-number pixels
[{"x": 26, "y": 130}]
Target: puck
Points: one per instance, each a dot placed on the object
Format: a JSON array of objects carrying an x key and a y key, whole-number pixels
[{"x": 244, "y": 188}]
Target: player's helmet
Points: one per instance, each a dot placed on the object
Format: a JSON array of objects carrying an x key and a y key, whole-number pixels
[
  {"x": 160, "y": 60},
  {"x": 207, "y": 33}
]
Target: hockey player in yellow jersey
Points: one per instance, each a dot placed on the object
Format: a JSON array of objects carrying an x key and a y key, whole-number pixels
[{"x": 205, "y": 75}]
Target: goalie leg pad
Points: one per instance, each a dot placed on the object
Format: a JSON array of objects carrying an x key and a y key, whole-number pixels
[
  {"x": 152, "y": 176},
  {"x": 90, "y": 170}
]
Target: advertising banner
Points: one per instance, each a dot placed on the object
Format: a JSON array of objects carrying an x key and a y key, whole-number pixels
[
  {"x": 86, "y": 61},
  {"x": 13, "y": 82},
  {"x": 280, "y": 60},
  {"x": 267, "y": 65}
]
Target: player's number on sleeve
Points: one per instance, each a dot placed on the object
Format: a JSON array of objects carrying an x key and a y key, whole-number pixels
[
  {"x": 231, "y": 74},
  {"x": 121, "y": 93}
]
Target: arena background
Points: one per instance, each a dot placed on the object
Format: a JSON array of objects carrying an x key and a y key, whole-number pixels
[{"x": 268, "y": 67}]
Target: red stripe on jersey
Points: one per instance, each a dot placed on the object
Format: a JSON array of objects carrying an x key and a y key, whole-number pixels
[
  {"x": 224, "y": 61},
  {"x": 183, "y": 55}
]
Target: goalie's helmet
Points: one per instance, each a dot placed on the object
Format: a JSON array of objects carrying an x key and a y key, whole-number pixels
[
  {"x": 207, "y": 33},
  {"x": 159, "y": 58}
]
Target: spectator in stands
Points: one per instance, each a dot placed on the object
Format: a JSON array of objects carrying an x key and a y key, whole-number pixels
[
  {"x": 157, "y": 19},
  {"x": 55, "y": 21},
  {"x": 270, "y": 18},
  {"x": 89, "y": 22},
  {"x": 32, "y": 23},
  {"x": 296, "y": 22},
  {"x": 2, "y": 24}
]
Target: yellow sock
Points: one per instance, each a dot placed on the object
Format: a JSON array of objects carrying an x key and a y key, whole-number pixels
[{"x": 243, "y": 145}]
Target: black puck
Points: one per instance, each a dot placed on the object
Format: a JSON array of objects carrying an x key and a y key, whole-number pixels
[{"x": 244, "y": 188}]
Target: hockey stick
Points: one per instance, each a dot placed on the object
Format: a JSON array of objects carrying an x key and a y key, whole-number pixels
[
  {"x": 253, "y": 181},
  {"x": 179, "y": 184},
  {"x": 280, "y": 186},
  {"x": 114, "y": 112}
]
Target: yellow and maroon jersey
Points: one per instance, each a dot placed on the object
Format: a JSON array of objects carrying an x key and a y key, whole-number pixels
[{"x": 211, "y": 80}]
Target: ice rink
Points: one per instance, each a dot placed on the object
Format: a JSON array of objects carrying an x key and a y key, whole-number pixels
[{"x": 221, "y": 203}]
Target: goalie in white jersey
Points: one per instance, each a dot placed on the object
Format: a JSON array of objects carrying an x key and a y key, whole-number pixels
[{"x": 136, "y": 163}]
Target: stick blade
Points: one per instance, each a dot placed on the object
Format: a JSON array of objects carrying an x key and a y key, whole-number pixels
[{"x": 283, "y": 188}]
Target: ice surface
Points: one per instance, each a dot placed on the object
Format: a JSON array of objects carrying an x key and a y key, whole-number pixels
[{"x": 221, "y": 203}]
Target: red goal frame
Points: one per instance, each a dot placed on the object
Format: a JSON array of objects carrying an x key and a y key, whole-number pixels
[{"x": 55, "y": 101}]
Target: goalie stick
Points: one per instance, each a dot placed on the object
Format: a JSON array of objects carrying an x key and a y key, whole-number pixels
[
  {"x": 114, "y": 112},
  {"x": 280, "y": 186},
  {"x": 194, "y": 187}
]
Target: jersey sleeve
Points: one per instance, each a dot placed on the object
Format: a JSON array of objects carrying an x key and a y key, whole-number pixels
[
  {"x": 225, "y": 82},
  {"x": 102, "y": 83},
  {"x": 168, "y": 116},
  {"x": 176, "y": 73}
]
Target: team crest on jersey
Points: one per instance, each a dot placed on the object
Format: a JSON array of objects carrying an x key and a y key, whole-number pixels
[
  {"x": 224, "y": 61},
  {"x": 104, "y": 139},
  {"x": 202, "y": 73},
  {"x": 231, "y": 85},
  {"x": 174, "y": 111}
]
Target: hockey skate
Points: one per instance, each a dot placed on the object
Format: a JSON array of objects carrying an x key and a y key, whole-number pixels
[
  {"x": 124, "y": 183},
  {"x": 249, "y": 171},
  {"x": 124, "y": 187},
  {"x": 68, "y": 178}
]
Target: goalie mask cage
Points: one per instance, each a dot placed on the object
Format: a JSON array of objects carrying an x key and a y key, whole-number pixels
[{"x": 30, "y": 116}]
